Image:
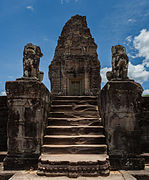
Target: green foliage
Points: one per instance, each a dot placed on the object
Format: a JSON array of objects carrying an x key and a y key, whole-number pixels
[{"x": 85, "y": 37}]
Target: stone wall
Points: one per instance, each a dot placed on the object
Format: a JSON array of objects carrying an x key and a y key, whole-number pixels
[
  {"x": 120, "y": 107},
  {"x": 144, "y": 124},
  {"x": 3, "y": 123},
  {"x": 28, "y": 103}
]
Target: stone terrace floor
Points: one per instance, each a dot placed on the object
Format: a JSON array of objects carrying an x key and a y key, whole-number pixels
[{"x": 114, "y": 175}]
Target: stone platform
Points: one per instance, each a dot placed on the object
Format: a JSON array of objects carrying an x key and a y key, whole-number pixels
[{"x": 115, "y": 175}]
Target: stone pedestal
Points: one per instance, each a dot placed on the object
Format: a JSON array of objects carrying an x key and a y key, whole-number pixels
[
  {"x": 28, "y": 104},
  {"x": 120, "y": 101}
]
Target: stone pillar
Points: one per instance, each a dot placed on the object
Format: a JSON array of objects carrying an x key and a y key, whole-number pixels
[
  {"x": 28, "y": 104},
  {"x": 120, "y": 102}
]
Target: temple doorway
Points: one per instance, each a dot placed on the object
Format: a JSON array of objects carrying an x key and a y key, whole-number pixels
[{"x": 76, "y": 87}]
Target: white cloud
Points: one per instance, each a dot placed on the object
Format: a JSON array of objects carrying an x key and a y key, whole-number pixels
[
  {"x": 103, "y": 74},
  {"x": 131, "y": 56},
  {"x": 141, "y": 43},
  {"x": 139, "y": 46},
  {"x": 129, "y": 39},
  {"x": 130, "y": 20},
  {"x": 30, "y": 8},
  {"x": 138, "y": 73},
  {"x": 146, "y": 92},
  {"x": 3, "y": 93}
]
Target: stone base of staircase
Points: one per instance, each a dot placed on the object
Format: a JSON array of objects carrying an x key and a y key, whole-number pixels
[{"x": 73, "y": 165}]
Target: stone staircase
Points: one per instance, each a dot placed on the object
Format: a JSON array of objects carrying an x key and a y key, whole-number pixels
[{"x": 74, "y": 141}]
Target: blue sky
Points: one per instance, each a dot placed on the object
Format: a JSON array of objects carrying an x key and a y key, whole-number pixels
[{"x": 40, "y": 22}]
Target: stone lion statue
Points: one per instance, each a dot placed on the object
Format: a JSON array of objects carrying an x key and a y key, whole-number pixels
[
  {"x": 31, "y": 60},
  {"x": 119, "y": 64}
]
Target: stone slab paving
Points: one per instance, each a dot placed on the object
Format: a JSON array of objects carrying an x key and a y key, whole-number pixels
[
  {"x": 114, "y": 175},
  {"x": 31, "y": 175},
  {"x": 141, "y": 174}
]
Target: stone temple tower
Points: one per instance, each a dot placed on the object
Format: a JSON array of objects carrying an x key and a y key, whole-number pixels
[{"x": 75, "y": 68}]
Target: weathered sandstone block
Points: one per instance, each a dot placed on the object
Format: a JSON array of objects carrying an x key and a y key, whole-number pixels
[
  {"x": 28, "y": 102},
  {"x": 120, "y": 105}
]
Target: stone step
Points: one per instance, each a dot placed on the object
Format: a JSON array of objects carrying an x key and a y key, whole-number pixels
[
  {"x": 61, "y": 115},
  {"x": 88, "y": 114},
  {"x": 73, "y": 165},
  {"x": 79, "y": 98},
  {"x": 74, "y": 130},
  {"x": 85, "y": 107},
  {"x": 73, "y": 157},
  {"x": 74, "y": 101},
  {"x": 74, "y": 121},
  {"x": 2, "y": 155},
  {"x": 146, "y": 157},
  {"x": 72, "y": 140},
  {"x": 76, "y": 108},
  {"x": 74, "y": 149},
  {"x": 63, "y": 108}
]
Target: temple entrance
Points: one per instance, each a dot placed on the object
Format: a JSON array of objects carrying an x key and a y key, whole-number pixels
[{"x": 76, "y": 87}]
